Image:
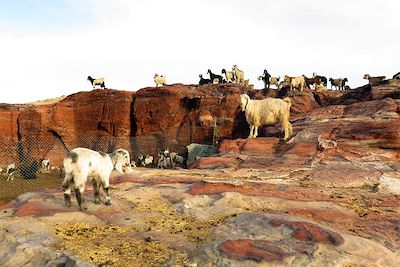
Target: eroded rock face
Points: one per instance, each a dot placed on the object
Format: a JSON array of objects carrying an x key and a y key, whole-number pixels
[
  {"x": 97, "y": 118},
  {"x": 175, "y": 116},
  {"x": 152, "y": 118},
  {"x": 348, "y": 144}
]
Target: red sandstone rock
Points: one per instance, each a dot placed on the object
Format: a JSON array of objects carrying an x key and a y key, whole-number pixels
[
  {"x": 246, "y": 249},
  {"x": 214, "y": 163},
  {"x": 254, "y": 146},
  {"x": 310, "y": 232},
  {"x": 97, "y": 119}
]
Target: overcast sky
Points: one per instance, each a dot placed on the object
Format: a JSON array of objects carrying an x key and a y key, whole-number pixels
[{"x": 49, "y": 47}]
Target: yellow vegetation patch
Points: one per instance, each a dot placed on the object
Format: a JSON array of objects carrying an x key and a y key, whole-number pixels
[
  {"x": 113, "y": 246},
  {"x": 107, "y": 245},
  {"x": 161, "y": 217}
]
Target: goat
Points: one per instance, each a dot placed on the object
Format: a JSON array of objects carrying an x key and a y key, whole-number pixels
[
  {"x": 373, "y": 80},
  {"x": 203, "y": 81},
  {"x": 159, "y": 79},
  {"x": 10, "y": 171},
  {"x": 297, "y": 82},
  {"x": 215, "y": 78},
  {"x": 239, "y": 74},
  {"x": 265, "y": 112},
  {"x": 274, "y": 81},
  {"x": 46, "y": 164},
  {"x": 229, "y": 75},
  {"x": 80, "y": 163},
  {"x": 94, "y": 82},
  {"x": 323, "y": 79},
  {"x": 145, "y": 161},
  {"x": 312, "y": 81},
  {"x": 338, "y": 83}
]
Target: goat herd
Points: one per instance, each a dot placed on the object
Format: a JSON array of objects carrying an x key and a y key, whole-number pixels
[
  {"x": 166, "y": 160},
  {"x": 81, "y": 163},
  {"x": 236, "y": 75}
]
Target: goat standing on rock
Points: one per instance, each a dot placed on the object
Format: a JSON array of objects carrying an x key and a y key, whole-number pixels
[
  {"x": 99, "y": 81},
  {"x": 373, "y": 80},
  {"x": 215, "y": 78},
  {"x": 160, "y": 79},
  {"x": 229, "y": 75},
  {"x": 339, "y": 83},
  {"x": 266, "y": 112},
  {"x": 80, "y": 163},
  {"x": 203, "y": 81}
]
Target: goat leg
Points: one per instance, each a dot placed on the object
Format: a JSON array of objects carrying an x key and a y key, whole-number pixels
[
  {"x": 96, "y": 189},
  {"x": 80, "y": 199},
  {"x": 67, "y": 200},
  {"x": 67, "y": 194},
  {"x": 108, "y": 199}
]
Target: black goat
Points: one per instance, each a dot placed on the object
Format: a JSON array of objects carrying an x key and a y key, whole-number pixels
[
  {"x": 322, "y": 79},
  {"x": 203, "y": 81},
  {"x": 214, "y": 77}
]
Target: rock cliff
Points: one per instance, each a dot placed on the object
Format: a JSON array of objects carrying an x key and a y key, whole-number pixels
[
  {"x": 329, "y": 196},
  {"x": 177, "y": 115}
]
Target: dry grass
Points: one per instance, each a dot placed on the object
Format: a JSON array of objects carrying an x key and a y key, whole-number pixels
[
  {"x": 114, "y": 246},
  {"x": 106, "y": 245}
]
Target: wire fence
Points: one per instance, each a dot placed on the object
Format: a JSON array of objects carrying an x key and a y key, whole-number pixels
[{"x": 28, "y": 154}]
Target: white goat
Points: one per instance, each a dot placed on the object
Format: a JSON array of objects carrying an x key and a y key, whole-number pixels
[
  {"x": 10, "y": 171},
  {"x": 275, "y": 81},
  {"x": 145, "y": 161},
  {"x": 297, "y": 82},
  {"x": 80, "y": 163},
  {"x": 164, "y": 162},
  {"x": 169, "y": 160},
  {"x": 266, "y": 112},
  {"x": 239, "y": 74},
  {"x": 46, "y": 164},
  {"x": 159, "y": 79},
  {"x": 99, "y": 81}
]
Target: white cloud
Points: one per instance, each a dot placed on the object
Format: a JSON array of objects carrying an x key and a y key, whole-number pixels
[{"x": 128, "y": 41}]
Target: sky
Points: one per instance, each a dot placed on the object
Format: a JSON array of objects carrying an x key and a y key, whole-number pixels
[{"x": 48, "y": 48}]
